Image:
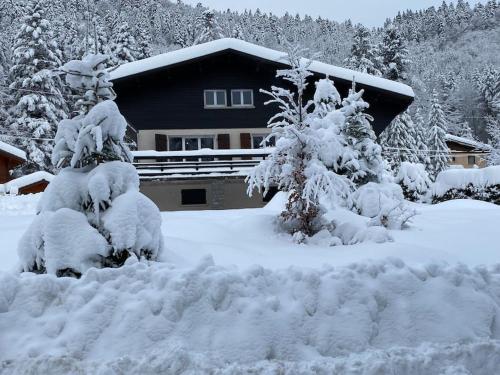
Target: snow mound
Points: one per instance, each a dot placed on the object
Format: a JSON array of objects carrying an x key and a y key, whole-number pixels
[
  {"x": 369, "y": 316},
  {"x": 19, "y": 204},
  {"x": 462, "y": 178}
]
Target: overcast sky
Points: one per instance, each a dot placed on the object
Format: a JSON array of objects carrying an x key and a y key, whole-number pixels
[{"x": 368, "y": 12}]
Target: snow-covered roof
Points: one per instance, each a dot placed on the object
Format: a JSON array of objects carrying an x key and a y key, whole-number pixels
[
  {"x": 14, "y": 185},
  {"x": 11, "y": 150},
  {"x": 189, "y": 53},
  {"x": 467, "y": 142}
]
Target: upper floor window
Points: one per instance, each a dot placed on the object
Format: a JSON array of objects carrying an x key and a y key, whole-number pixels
[
  {"x": 215, "y": 98},
  {"x": 242, "y": 98}
]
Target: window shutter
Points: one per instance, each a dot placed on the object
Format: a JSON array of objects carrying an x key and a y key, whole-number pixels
[
  {"x": 246, "y": 143},
  {"x": 223, "y": 144},
  {"x": 245, "y": 140},
  {"x": 160, "y": 142}
]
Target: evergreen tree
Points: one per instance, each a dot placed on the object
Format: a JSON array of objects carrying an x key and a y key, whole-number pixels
[
  {"x": 38, "y": 104},
  {"x": 208, "y": 28},
  {"x": 307, "y": 154},
  {"x": 124, "y": 46},
  {"x": 367, "y": 164},
  {"x": 394, "y": 55},
  {"x": 421, "y": 131},
  {"x": 439, "y": 152},
  {"x": 363, "y": 57},
  {"x": 144, "y": 45},
  {"x": 400, "y": 144}
]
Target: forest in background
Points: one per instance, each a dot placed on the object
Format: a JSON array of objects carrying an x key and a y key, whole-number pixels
[{"x": 452, "y": 51}]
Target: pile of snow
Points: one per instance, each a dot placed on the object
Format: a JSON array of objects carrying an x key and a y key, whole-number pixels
[
  {"x": 13, "y": 186},
  {"x": 158, "y": 318},
  {"x": 463, "y": 178},
  {"x": 12, "y": 205}
]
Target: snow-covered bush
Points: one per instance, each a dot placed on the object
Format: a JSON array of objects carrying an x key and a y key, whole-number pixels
[
  {"x": 480, "y": 184},
  {"x": 92, "y": 213},
  {"x": 414, "y": 180},
  {"x": 384, "y": 203}
]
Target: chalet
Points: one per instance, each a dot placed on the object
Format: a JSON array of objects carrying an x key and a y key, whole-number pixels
[
  {"x": 200, "y": 118},
  {"x": 467, "y": 153}
]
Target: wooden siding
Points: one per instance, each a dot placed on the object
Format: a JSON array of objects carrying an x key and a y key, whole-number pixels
[{"x": 172, "y": 97}]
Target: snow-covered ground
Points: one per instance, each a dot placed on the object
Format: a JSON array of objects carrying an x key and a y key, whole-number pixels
[{"x": 233, "y": 295}]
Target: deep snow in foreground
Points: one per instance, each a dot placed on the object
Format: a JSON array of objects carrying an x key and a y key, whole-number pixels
[{"x": 260, "y": 304}]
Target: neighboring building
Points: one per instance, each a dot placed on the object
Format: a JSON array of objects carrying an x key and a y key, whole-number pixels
[
  {"x": 10, "y": 158},
  {"x": 467, "y": 153},
  {"x": 208, "y": 97}
]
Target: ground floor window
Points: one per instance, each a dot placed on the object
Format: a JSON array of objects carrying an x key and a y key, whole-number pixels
[
  {"x": 193, "y": 196},
  {"x": 257, "y": 140},
  {"x": 471, "y": 160},
  {"x": 190, "y": 143}
]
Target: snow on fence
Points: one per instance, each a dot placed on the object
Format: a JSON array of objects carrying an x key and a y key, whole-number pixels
[{"x": 197, "y": 163}]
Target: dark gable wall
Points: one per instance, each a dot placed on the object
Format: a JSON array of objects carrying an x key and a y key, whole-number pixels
[{"x": 172, "y": 97}]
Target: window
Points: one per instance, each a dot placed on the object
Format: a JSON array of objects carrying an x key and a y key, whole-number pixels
[
  {"x": 193, "y": 196},
  {"x": 471, "y": 160},
  {"x": 257, "y": 140},
  {"x": 242, "y": 98},
  {"x": 190, "y": 143},
  {"x": 215, "y": 98}
]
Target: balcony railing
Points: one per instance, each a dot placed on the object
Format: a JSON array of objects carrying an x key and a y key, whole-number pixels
[{"x": 157, "y": 165}]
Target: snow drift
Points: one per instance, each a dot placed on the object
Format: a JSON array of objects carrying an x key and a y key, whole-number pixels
[{"x": 368, "y": 317}]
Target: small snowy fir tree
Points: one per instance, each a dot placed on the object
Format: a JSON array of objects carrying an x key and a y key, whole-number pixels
[
  {"x": 438, "y": 149},
  {"x": 363, "y": 55},
  {"x": 308, "y": 151},
  {"x": 421, "y": 132},
  {"x": 38, "y": 102},
  {"x": 124, "y": 46},
  {"x": 144, "y": 44},
  {"x": 368, "y": 164},
  {"x": 399, "y": 143},
  {"x": 414, "y": 180},
  {"x": 394, "y": 55},
  {"x": 92, "y": 213},
  {"x": 208, "y": 28}
]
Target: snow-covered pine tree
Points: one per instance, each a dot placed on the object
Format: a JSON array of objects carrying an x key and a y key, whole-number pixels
[
  {"x": 363, "y": 56},
  {"x": 368, "y": 164},
  {"x": 436, "y": 138},
  {"x": 394, "y": 55},
  {"x": 308, "y": 151},
  {"x": 208, "y": 28},
  {"x": 493, "y": 129},
  {"x": 400, "y": 144},
  {"x": 38, "y": 104},
  {"x": 144, "y": 44},
  {"x": 92, "y": 213},
  {"x": 421, "y": 132},
  {"x": 124, "y": 45}
]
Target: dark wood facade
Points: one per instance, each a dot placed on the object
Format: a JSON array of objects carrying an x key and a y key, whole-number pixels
[
  {"x": 7, "y": 163},
  {"x": 172, "y": 97}
]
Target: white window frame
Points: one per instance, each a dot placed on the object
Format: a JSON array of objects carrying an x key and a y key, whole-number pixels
[
  {"x": 241, "y": 97},
  {"x": 214, "y": 92},
  {"x": 191, "y": 136}
]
